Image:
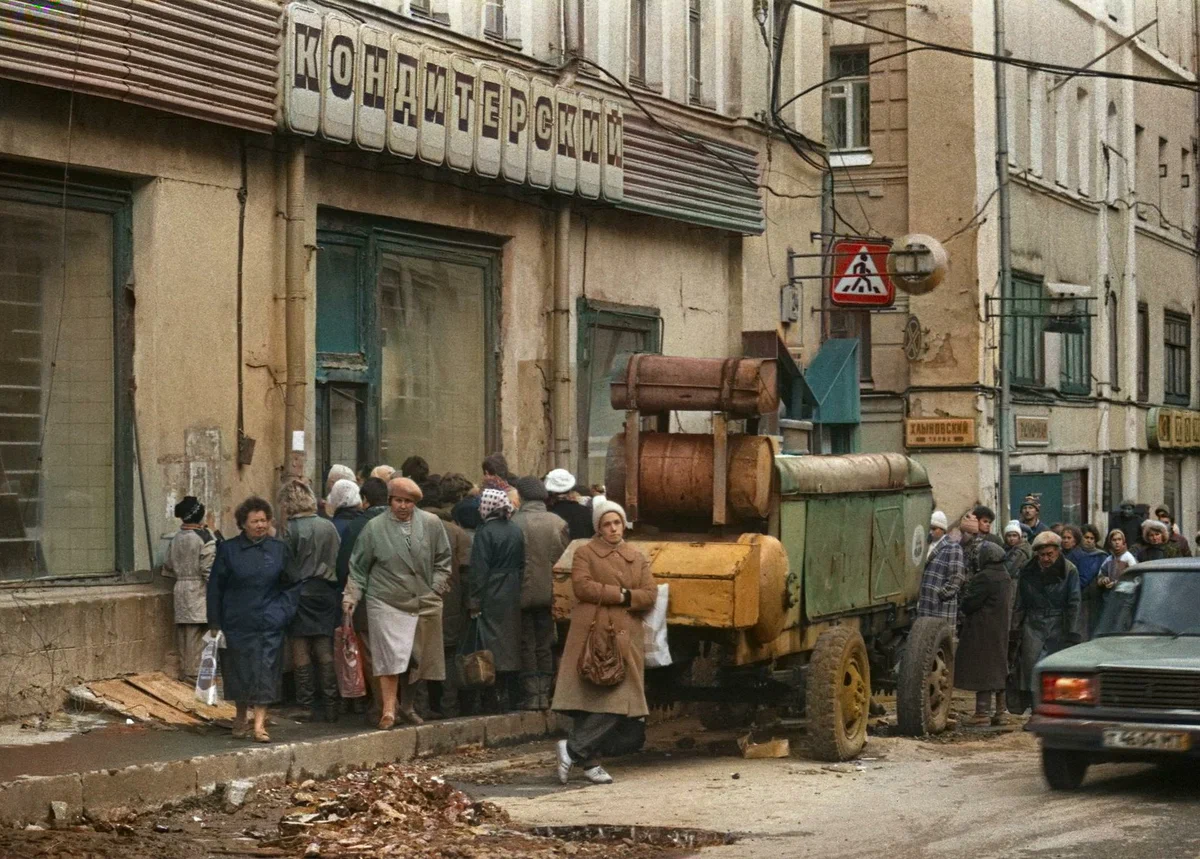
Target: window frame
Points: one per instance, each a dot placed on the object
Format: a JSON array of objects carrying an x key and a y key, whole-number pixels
[
  {"x": 1179, "y": 394},
  {"x": 695, "y": 41},
  {"x": 495, "y": 7},
  {"x": 1143, "y": 353},
  {"x": 96, "y": 194},
  {"x": 1114, "y": 342},
  {"x": 639, "y": 19},
  {"x": 1027, "y": 329},
  {"x": 1075, "y": 359},
  {"x": 849, "y": 88}
]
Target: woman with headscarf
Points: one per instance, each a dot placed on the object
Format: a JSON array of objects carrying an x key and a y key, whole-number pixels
[
  {"x": 494, "y": 593},
  {"x": 189, "y": 562},
  {"x": 251, "y": 603},
  {"x": 345, "y": 505},
  {"x": 401, "y": 568},
  {"x": 1118, "y": 561},
  {"x": 313, "y": 542},
  {"x": 612, "y": 585}
]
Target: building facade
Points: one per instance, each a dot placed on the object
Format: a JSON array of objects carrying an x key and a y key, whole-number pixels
[{"x": 1103, "y": 213}]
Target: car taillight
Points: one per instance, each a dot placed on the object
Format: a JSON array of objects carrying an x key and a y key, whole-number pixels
[{"x": 1068, "y": 689}]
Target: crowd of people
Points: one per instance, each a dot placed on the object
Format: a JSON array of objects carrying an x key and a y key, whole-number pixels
[
  {"x": 1029, "y": 591},
  {"x": 422, "y": 567}
]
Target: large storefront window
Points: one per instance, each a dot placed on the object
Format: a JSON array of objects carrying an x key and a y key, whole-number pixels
[{"x": 60, "y": 450}]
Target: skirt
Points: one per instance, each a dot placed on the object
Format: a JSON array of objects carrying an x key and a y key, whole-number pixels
[{"x": 389, "y": 642}]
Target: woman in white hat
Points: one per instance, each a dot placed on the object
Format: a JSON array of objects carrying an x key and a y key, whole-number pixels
[
  {"x": 563, "y": 501},
  {"x": 1017, "y": 551},
  {"x": 938, "y": 525}
]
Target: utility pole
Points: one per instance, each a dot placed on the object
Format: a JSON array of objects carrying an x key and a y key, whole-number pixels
[{"x": 1004, "y": 407}]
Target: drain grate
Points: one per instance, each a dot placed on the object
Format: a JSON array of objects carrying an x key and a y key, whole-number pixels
[{"x": 656, "y": 836}]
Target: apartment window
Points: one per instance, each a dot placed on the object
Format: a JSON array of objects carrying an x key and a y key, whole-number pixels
[
  {"x": 1037, "y": 99},
  {"x": 850, "y": 100},
  {"x": 1114, "y": 343},
  {"x": 493, "y": 19},
  {"x": 637, "y": 40},
  {"x": 1163, "y": 172},
  {"x": 1075, "y": 373},
  {"x": 1143, "y": 347},
  {"x": 1177, "y": 358},
  {"x": 1062, "y": 139},
  {"x": 420, "y": 7},
  {"x": 1028, "y": 352},
  {"x": 694, "y": 44},
  {"x": 1083, "y": 140},
  {"x": 1139, "y": 153},
  {"x": 1114, "y": 163}
]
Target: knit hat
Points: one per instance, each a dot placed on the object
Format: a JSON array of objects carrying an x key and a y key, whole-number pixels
[
  {"x": 1047, "y": 538},
  {"x": 344, "y": 494},
  {"x": 493, "y": 503},
  {"x": 190, "y": 510},
  {"x": 601, "y": 505},
  {"x": 1031, "y": 501},
  {"x": 938, "y": 520},
  {"x": 530, "y": 488},
  {"x": 1013, "y": 527},
  {"x": 560, "y": 481},
  {"x": 990, "y": 553}
]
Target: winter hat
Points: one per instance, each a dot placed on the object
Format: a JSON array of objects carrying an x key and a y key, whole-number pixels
[
  {"x": 1154, "y": 525},
  {"x": 494, "y": 502},
  {"x": 938, "y": 520},
  {"x": 405, "y": 487},
  {"x": 531, "y": 489},
  {"x": 1047, "y": 538},
  {"x": 344, "y": 494},
  {"x": 1032, "y": 501},
  {"x": 560, "y": 481},
  {"x": 1013, "y": 527},
  {"x": 601, "y": 505},
  {"x": 190, "y": 510},
  {"x": 990, "y": 553}
]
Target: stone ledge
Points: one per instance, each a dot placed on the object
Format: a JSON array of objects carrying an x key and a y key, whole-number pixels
[
  {"x": 27, "y": 799},
  {"x": 139, "y": 787}
]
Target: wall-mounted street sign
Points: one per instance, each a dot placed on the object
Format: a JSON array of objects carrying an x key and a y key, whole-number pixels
[
  {"x": 860, "y": 274},
  {"x": 1032, "y": 431},
  {"x": 374, "y": 86},
  {"x": 939, "y": 432},
  {"x": 1173, "y": 429}
]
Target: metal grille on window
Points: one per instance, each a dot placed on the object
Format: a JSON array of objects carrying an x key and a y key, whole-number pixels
[
  {"x": 1177, "y": 357},
  {"x": 694, "y": 51},
  {"x": 1027, "y": 354},
  {"x": 637, "y": 40},
  {"x": 493, "y": 19},
  {"x": 849, "y": 100}
]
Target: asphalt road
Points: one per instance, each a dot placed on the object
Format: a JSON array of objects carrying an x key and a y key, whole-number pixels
[{"x": 976, "y": 796}]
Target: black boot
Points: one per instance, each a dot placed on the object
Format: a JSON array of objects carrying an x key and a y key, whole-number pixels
[
  {"x": 545, "y": 686},
  {"x": 329, "y": 692},
  {"x": 531, "y": 687},
  {"x": 306, "y": 690}
]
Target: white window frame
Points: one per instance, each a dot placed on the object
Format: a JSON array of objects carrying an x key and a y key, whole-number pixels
[
  {"x": 1083, "y": 140},
  {"x": 1062, "y": 138},
  {"x": 695, "y": 52},
  {"x": 639, "y": 47},
  {"x": 851, "y": 89},
  {"x": 494, "y": 22},
  {"x": 1037, "y": 102}
]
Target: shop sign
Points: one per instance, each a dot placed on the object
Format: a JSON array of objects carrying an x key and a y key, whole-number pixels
[
  {"x": 939, "y": 432},
  {"x": 1032, "y": 431},
  {"x": 373, "y": 87},
  {"x": 1173, "y": 429}
]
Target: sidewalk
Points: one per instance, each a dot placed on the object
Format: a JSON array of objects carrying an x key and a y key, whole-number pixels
[{"x": 118, "y": 768}]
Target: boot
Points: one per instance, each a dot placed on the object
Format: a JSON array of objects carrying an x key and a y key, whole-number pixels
[
  {"x": 329, "y": 692},
  {"x": 306, "y": 690},
  {"x": 531, "y": 690}
]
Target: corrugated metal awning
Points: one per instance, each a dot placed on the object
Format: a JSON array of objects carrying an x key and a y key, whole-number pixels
[
  {"x": 215, "y": 60},
  {"x": 714, "y": 184}
]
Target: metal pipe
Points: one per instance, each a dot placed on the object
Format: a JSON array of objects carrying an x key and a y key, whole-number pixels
[
  {"x": 295, "y": 255},
  {"x": 1004, "y": 412},
  {"x": 561, "y": 393}
]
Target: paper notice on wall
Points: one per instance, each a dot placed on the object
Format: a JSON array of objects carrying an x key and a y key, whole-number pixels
[{"x": 298, "y": 441}]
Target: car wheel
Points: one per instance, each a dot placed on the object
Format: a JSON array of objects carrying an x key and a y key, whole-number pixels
[{"x": 1063, "y": 769}]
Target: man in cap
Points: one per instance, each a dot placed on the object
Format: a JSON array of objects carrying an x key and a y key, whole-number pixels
[
  {"x": 189, "y": 562},
  {"x": 1047, "y": 612},
  {"x": 1031, "y": 523},
  {"x": 563, "y": 500}
]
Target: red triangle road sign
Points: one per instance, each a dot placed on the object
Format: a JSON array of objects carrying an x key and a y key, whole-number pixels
[{"x": 860, "y": 276}]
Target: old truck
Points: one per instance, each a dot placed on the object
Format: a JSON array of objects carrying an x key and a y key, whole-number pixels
[{"x": 793, "y": 579}]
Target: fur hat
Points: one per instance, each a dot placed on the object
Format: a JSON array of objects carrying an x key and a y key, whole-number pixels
[
  {"x": 1047, "y": 538},
  {"x": 601, "y": 505},
  {"x": 1154, "y": 525},
  {"x": 938, "y": 520}
]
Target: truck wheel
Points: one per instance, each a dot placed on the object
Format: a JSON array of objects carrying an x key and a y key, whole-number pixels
[
  {"x": 926, "y": 683},
  {"x": 1064, "y": 769},
  {"x": 837, "y": 695}
]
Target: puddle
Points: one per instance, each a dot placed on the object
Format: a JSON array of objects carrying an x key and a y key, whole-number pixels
[
  {"x": 655, "y": 836},
  {"x": 37, "y": 731}
]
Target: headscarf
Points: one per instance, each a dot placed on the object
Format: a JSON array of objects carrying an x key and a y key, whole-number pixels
[
  {"x": 345, "y": 494},
  {"x": 493, "y": 503},
  {"x": 336, "y": 473}
]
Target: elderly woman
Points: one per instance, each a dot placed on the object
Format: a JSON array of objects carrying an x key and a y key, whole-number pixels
[
  {"x": 1156, "y": 539},
  {"x": 612, "y": 585},
  {"x": 345, "y": 505},
  {"x": 313, "y": 543},
  {"x": 189, "y": 562},
  {"x": 1047, "y": 610},
  {"x": 250, "y": 602},
  {"x": 401, "y": 568},
  {"x": 494, "y": 593}
]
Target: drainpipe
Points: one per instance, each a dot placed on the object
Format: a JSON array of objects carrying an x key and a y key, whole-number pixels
[
  {"x": 561, "y": 393},
  {"x": 295, "y": 255},
  {"x": 1004, "y": 407}
]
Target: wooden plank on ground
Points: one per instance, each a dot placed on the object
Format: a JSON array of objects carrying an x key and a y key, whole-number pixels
[
  {"x": 181, "y": 696},
  {"x": 135, "y": 703}
]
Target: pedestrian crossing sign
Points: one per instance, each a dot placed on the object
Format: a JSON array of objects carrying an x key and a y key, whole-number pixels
[{"x": 860, "y": 276}]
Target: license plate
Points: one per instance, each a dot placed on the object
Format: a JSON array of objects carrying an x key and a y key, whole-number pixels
[{"x": 1153, "y": 741}]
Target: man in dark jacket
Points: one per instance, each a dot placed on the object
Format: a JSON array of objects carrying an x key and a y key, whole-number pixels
[
  {"x": 981, "y": 662},
  {"x": 1047, "y": 611},
  {"x": 546, "y": 538},
  {"x": 562, "y": 501},
  {"x": 1031, "y": 517}
]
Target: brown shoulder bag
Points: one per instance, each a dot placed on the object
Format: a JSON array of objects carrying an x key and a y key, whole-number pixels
[{"x": 601, "y": 661}]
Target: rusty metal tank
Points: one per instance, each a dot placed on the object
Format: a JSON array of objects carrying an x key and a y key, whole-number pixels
[
  {"x": 675, "y": 476},
  {"x": 740, "y": 387}
]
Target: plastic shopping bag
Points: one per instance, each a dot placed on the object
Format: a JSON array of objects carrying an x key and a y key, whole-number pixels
[
  {"x": 655, "y": 626},
  {"x": 206, "y": 676},
  {"x": 347, "y": 662}
]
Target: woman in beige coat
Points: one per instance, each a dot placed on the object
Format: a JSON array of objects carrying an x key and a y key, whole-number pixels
[{"x": 612, "y": 583}]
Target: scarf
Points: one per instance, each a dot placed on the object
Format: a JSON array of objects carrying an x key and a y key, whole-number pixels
[{"x": 493, "y": 503}]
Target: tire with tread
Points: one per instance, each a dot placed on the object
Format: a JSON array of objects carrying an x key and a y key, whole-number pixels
[
  {"x": 925, "y": 687},
  {"x": 837, "y": 695},
  {"x": 1064, "y": 769}
]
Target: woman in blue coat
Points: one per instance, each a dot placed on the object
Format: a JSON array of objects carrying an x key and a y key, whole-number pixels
[{"x": 250, "y": 602}]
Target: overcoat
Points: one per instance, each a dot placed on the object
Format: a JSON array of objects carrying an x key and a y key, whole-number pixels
[
  {"x": 189, "y": 562},
  {"x": 981, "y": 662},
  {"x": 494, "y": 589},
  {"x": 454, "y": 601},
  {"x": 546, "y": 538},
  {"x": 598, "y": 573},
  {"x": 250, "y": 601},
  {"x": 1047, "y": 612}
]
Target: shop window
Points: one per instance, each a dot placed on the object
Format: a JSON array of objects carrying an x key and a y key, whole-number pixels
[
  {"x": 1143, "y": 354},
  {"x": 849, "y": 98},
  {"x": 694, "y": 52},
  {"x": 606, "y": 331},
  {"x": 637, "y": 40},
  {"x": 1177, "y": 358},
  {"x": 65, "y": 438},
  {"x": 341, "y": 428},
  {"x": 1075, "y": 497},
  {"x": 1075, "y": 374},
  {"x": 1027, "y": 323}
]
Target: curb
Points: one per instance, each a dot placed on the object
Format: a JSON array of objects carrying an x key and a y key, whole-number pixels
[{"x": 143, "y": 787}]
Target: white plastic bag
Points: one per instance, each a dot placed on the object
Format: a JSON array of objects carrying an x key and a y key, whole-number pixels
[
  {"x": 655, "y": 626},
  {"x": 206, "y": 676}
]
